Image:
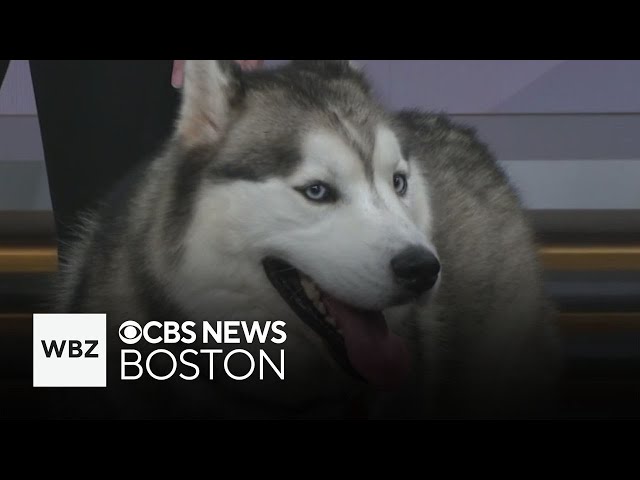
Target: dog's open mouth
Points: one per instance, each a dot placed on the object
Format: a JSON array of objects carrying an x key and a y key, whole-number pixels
[{"x": 358, "y": 340}]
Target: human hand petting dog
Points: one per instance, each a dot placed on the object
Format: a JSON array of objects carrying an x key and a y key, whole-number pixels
[{"x": 177, "y": 76}]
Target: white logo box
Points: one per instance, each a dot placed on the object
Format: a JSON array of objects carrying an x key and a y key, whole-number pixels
[{"x": 75, "y": 359}]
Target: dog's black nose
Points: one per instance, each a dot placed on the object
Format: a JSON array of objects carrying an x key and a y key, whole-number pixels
[{"x": 415, "y": 269}]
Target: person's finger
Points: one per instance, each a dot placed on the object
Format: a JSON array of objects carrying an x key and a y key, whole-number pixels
[{"x": 177, "y": 75}]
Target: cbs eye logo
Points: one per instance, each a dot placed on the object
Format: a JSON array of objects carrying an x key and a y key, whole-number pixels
[{"x": 130, "y": 332}]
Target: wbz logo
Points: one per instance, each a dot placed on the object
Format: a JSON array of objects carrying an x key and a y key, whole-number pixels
[
  {"x": 69, "y": 350},
  {"x": 75, "y": 348}
]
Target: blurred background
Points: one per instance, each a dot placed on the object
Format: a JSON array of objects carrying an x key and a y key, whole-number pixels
[{"x": 566, "y": 132}]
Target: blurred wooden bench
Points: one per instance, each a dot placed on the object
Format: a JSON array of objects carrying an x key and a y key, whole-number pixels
[{"x": 44, "y": 258}]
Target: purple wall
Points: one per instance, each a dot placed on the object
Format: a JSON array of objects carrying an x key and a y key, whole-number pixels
[
  {"x": 508, "y": 86},
  {"x": 460, "y": 86},
  {"x": 16, "y": 94},
  {"x": 567, "y": 132}
]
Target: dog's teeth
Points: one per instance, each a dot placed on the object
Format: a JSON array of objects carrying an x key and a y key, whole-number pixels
[
  {"x": 308, "y": 287},
  {"x": 313, "y": 293}
]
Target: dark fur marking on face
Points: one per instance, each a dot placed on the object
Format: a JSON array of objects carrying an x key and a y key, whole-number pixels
[
  {"x": 317, "y": 87},
  {"x": 257, "y": 162},
  {"x": 363, "y": 146},
  {"x": 325, "y": 94}
]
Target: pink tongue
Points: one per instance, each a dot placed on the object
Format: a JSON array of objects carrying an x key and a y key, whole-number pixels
[{"x": 375, "y": 352}]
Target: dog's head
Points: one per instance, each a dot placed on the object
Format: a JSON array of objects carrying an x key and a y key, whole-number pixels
[{"x": 307, "y": 197}]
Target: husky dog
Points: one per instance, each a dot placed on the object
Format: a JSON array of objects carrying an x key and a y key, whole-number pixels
[{"x": 391, "y": 244}]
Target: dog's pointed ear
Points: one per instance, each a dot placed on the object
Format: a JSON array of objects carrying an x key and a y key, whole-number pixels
[{"x": 210, "y": 90}]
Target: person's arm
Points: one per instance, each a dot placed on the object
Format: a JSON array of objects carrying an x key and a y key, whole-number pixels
[{"x": 177, "y": 75}]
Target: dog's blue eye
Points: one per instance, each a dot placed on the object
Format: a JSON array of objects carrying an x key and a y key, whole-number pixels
[
  {"x": 318, "y": 192},
  {"x": 400, "y": 183}
]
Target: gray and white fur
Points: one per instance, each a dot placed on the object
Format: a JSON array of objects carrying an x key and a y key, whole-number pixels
[{"x": 183, "y": 239}]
